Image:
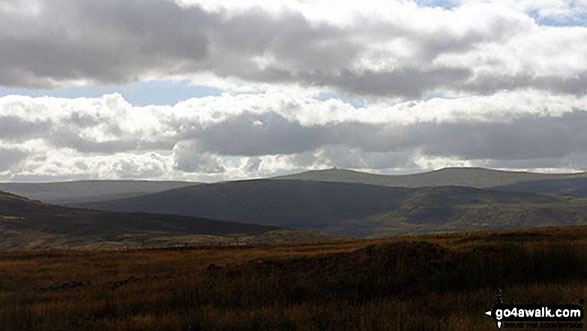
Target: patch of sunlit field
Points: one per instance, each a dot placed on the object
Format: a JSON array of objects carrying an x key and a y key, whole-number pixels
[{"x": 431, "y": 282}]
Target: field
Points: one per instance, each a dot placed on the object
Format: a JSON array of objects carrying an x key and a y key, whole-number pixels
[{"x": 427, "y": 282}]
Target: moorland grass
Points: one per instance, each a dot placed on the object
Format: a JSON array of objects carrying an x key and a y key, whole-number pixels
[{"x": 434, "y": 282}]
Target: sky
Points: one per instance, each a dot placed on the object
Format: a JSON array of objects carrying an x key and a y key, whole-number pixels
[{"x": 207, "y": 90}]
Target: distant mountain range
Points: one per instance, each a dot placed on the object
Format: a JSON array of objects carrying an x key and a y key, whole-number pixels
[
  {"x": 29, "y": 224},
  {"x": 89, "y": 190},
  {"x": 470, "y": 177},
  {"x": 71, "y": 192},
  {"x": 345, "y": 202},
  {"x": 359, "y": 209}
]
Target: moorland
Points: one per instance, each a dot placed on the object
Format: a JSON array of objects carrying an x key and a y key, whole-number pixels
[{"x": 425, "y": 282}]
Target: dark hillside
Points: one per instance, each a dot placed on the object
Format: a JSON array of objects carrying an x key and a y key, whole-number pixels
[
  {"x": 29, "y": 224},
  {"x": 357, "y": 209},
  {"x": 297, "y": 204}
]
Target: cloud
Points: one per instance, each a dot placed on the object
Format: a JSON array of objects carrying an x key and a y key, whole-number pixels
[
  {"x": 15, "y": 129},
  {"x": 240, "y": 136},
  {"x": 385, "y": 49},
  {"x": 189, "y": 159},
  {"x": 258, "y": 134},
  {"x": 10, "y": 157},
  {"x": 407, "y": 82},
  {"x": 523, "y": 138},
  {"x": 253, "y": 164},
  {"x": 150, "y": 165}
]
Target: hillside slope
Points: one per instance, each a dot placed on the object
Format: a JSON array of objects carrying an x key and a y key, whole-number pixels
[
  {"x": 90, "y": 190},
  {"x": 472, "y": 177},
  {"x": 358, "y": 209},
  {"x": 566, "y": 186},
  {"x": 456, "y": 209},
  {"x": 29, "y": 224},
  {"x": 295, "y": 204}
]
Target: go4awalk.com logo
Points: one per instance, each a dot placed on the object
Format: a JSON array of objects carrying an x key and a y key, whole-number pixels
[{"x": 543, "y": 316}]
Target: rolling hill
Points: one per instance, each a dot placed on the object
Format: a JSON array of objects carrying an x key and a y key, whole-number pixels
[
  {"x": 359, "y": 209},
  {"x": 73, "y": 192},
  {"x": 88, "y": 191},
  {"x": 29, "y": 224},
  {"x": 294, "y": 204},
  {"x": 471, "y": 177}
]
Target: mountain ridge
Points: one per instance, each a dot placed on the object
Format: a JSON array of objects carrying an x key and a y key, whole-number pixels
[{"x": 473, "y": 177}]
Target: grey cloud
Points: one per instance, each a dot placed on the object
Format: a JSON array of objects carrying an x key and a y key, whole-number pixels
[
  {"x": 121, "y": 41},
  {"x": 81, "y": 165},
  {"x": 251, "y": 134},
  {"x": 65, "y": 137},
  {"x": 84, "y": 120},
  {"x": 572, "y": 161},
  {"x": 10, "y": 157},
  {"x": 104, "y": 41},
  {"x": 523, "y": 138},
  {"x": 489, "y": 83},
  {"x": 69, "y": 134},
  {"x": 410, "y": 82},
  {"x": 253, "y": 164},
  {"x": 131, "y": 169},
  {"x": 259, "y": 134},
  {"x": 350, "y": 144},
  {"x": 345, "y": 157},
  {"x": 189, "y": 158},
  {"x": 16, "y": 129},
  {"x": 289, "y": 37},
  {"x": 444, "y": 40},
  {"x": 353, "y": 158},
  {"x": 70, "y": 139},
  {"x": 370, "y": 145}
]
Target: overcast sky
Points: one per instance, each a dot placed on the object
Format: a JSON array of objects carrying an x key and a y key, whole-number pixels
[{"x": 215, "y": 90}]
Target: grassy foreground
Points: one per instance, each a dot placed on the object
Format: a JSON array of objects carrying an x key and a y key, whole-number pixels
[{"x": 442, "y": 282}]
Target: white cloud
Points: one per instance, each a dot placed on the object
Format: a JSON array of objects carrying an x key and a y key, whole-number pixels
[{"x": 252, "y": 135}]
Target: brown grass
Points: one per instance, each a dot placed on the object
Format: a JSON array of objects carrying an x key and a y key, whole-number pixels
[{"x": 434, "y": 282}]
